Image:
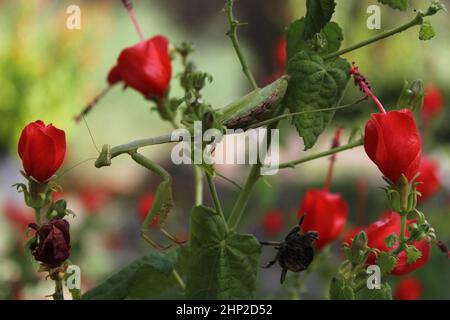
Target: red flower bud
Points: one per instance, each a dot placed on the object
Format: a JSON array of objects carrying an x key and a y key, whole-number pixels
[
  {"x": 273, "y": 222},
  {"x": 52, "y": 245},
  {"x": 146, "y": 67},
  {"x": 144, "y": 206},
  {"x": 408, "y": 289},
  {"x": 326, "y": 213},
  {"x": 381, "y": 229},
  {"x": 429, "y": 177},
  {"x": 393, "y": 143},
  {"x": 351, "y": 233},
  {"x": 42, "y": 150},
  {"x": 432, "y": 103},
  {"x": 280, "y": 53}
]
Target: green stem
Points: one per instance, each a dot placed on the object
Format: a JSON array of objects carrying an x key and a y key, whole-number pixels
[
  {"x": 253, "y": 177},
  {"x": 232, "y": 33},
  {"x": 414, "y": 22},
  {"x": 293, "y": 163},
  {"x": 402, "y": 240},
  {"x": 37, "y": 215},
  {"x": 198, "y": 180},
  {"x": 178, "y": 278},
  {"x": 59, "y": 294},
  {"x": 244, "y": 195},
  {"x": 215, "y": 197},
  {"x": 402, "y": 227}
]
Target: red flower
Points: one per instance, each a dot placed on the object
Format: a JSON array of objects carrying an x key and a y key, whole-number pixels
[
  {"x": 280, "y": 53},
  {"x": 393, "y": 143},
  {"x": 326, "y": 213},
  {"x": 408, "y": 289},
  {"x": 381, "y": 229},
  {"x": 18, "y": 215},
  {"x": 146, "y": 67},
  {"x": 273, "y": 222},
  {"x": 429, "y": 177},
  {"x": 432, "y": 103},
  {"x": 144, "y": 206},
  {"x": 52, "y": 245},
  {"x": 42, "y": 150}
]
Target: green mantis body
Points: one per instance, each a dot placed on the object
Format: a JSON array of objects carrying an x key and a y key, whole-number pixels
[{"x": 258, "y": 105}]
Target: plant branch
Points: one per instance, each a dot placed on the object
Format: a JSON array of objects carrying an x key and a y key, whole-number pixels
[
  {"x": 178, "y": 278},
  {"x": 244, "y": 195},
  {"x": 59, "y": 294},
  {"x": 232, "y": 33},
  {"x": 414, "y": 22},
  {"x": 198, "y": 180},
  {"x": 293, "y": 163},
  {"x": 215, "y": 197}
]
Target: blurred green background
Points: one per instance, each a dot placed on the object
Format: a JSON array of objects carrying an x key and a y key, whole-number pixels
[{"x": 49, "y": 72}]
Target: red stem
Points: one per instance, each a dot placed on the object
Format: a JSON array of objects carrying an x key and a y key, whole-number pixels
[
  {"x": 129, "y": 6},
  {"x": 361, "y": 81},
  {"x": 334, "y": 144}
]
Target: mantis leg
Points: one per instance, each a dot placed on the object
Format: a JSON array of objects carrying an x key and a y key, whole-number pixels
[{"x": 162, "y": 203}]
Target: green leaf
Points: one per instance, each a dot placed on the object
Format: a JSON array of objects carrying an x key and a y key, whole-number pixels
[
  {"x": 413, "y": 254},
  {"x": 149, "y": 277},
  {"x": 390, "y": 240},
  {"x": 386, "y": 262},
  {"x": 334, "y": 36},
  {"x": 315, "y": 84},
  {"x": 426, "y": 31},
  {"x": 339, "y": 290},
  {"x": 331, "y": 34},
  {"x": 222, "y": 264},
  {"x": 384, "y": 293},
  {"x": 294, "y": 38},
  {"x": 401, "y": 5},
  {"x": 318, "y": 14}
]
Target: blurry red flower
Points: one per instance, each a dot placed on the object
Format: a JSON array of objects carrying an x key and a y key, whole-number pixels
[
  {"x": 144, "y": 206},
  {"x": 273, "y": 222},
  {"x": 42, "y": 150},
  {"x": 432, "y": 103},
  {"x": 280, "y": 53},
  {"x": 381, "y": 229},
  {"x": 408, "y": 289},
  {"x": 18, "y": 215},
  {"x": 393, "y": 143},
  {"x": 93, "y": 199},
  {"x": 326, "y": 213},
  {"x": 146, "y": 67},
  {"x": 52, "y": 245},
  {"x": 429, "y": 176}
]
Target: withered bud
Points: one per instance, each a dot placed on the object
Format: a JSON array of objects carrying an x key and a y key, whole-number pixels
[{"x": 52, "y": 244}]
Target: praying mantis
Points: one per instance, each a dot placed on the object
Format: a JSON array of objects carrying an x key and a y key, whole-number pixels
[{"x": 258, "y": 105}]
